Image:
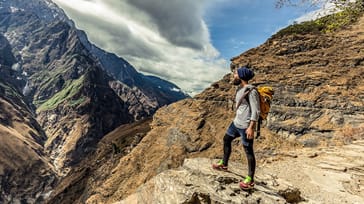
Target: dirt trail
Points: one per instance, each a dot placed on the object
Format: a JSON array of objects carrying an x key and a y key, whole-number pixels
[{"x": 324, "y": 175}]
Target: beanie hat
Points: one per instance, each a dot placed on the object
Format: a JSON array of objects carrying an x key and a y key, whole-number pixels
[{"x": 245, "y": 73}]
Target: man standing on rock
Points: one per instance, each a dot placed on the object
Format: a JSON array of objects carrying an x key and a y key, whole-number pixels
[{"x": 247, "y": 115}]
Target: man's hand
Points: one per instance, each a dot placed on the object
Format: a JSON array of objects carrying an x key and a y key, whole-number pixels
[
  {"x": 250, "y": 133},
  {"x": 250, "y": 130}
]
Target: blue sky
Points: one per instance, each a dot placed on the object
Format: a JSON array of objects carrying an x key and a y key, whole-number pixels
[
  {"x": 189, "y": 42},
  {"x": 240, "y": 25}
]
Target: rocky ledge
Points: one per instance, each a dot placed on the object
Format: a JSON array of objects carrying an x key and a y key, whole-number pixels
[
  {"x": 197, "y": 182},
  {"x": 323, "y": 175}
]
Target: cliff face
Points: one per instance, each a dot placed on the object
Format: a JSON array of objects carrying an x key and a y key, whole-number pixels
[{"x": 318, "y": 101}]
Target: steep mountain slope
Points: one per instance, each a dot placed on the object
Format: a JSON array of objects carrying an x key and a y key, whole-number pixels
[
  {"x": 75, "y": 100},
  {"x": 81, "y": 182},
  {"x": 157, "y": 90},
  {"x": 58, "y": 97},
  {"x": 47, "y": 11},
  {"x": 318, "y": 101},
  {"x": 68, "y": 88},
  {"x": 25, "y": 171}
]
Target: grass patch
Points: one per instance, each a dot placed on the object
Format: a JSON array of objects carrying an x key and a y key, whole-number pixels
[
  {"x": 71, "y": 88},
  {"x": 77, "y": 101},
  {"x": 48, "y": 79}
]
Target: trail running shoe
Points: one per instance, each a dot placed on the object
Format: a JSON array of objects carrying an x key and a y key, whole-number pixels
[
  {"x": 247, "y": 184},
  {"x": 220, "y": 166}
]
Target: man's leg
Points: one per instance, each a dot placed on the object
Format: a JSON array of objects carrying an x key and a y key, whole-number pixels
[
  {"x": 230, "y": 135},
  {"x": 251, "y": 160},
  {"x": 227, "y": 148},
  {"x": 248, "y": 183}
]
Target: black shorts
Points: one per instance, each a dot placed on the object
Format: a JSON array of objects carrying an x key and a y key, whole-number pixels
[{"x": 235, "y": 132}]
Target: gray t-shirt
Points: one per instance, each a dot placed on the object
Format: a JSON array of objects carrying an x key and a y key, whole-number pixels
[{"x": 245, "y": 112}]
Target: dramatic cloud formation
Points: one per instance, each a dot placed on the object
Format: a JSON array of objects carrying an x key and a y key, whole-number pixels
[{"x": 168, "y": 39}]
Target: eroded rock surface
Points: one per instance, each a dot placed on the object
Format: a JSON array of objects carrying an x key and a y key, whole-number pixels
[{"x": 197, "y": 182}]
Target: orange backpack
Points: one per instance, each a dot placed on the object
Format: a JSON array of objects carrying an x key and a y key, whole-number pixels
[{"x": 265, "y": 98}]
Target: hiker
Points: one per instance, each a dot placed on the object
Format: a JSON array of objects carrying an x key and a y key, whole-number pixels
[{"x": 247, "y": 115}]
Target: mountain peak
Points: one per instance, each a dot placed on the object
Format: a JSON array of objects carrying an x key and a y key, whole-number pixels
[{"x": 44, "y": 9}]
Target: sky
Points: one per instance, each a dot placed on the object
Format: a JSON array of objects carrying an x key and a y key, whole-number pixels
[{"x": 188, "y": 42}]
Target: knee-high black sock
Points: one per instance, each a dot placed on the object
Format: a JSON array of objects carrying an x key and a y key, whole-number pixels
[
  {"x": 227, "y": 148},
  {"x": 251, "y": 160}
]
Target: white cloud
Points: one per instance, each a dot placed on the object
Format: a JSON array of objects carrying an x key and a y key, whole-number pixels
[
  {"x": 324, "y": 10},
  {"x": 168, "y": 39},
  {"x": 326, "y": 7}
]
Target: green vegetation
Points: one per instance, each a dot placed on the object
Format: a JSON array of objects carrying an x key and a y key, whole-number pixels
[
  {"x": 48, "y": 79},
  {"x": 77, "y": 102},
  {"x": 326, "y": 24},
  {"x": 71, "y": 88},
  {"x": 53, "y": 79}
]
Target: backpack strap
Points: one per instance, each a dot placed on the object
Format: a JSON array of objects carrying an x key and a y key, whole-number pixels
[
  {"x": 259, "y": 122},
  {"x": 246, "y": 93}
]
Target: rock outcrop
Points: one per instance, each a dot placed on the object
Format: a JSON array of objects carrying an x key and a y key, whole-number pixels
[
  {"x": 197, "y": 182},
  {"x": 326, "y": 175}
]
